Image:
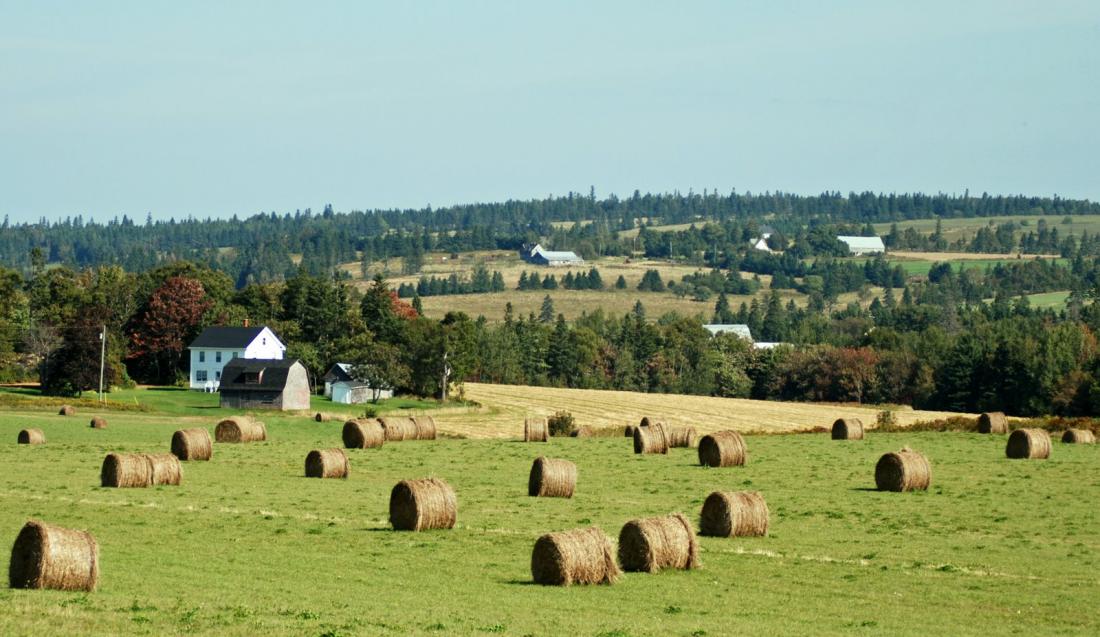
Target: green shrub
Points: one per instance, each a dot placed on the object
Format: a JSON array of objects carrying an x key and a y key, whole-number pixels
[{"x": 562, "y": 423}]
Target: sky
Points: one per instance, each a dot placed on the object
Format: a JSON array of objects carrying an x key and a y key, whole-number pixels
[{"x": 220, "y": 108}]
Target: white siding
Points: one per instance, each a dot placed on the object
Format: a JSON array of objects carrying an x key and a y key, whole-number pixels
[{"x": 265, "y": 345}]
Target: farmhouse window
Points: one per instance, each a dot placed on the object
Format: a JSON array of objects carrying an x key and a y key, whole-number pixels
[
  {"x": 200, "y": 376},
  {"x": 217, "y": 357},
  {"x": 252, "y": 378},
  {"x": 202, "y": 357}
]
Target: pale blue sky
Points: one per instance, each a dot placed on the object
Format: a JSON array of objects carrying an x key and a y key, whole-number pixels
[{"x": 177, "y": 108}]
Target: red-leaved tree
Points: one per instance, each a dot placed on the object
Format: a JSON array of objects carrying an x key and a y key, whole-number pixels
[{"x": 165, "y": 326}]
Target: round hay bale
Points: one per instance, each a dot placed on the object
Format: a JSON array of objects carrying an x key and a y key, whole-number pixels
[
  {"x": 580, "y": 556},
  {"x": 319, "y": 417},
  {"x": 66, "y": 410},
  {"x": 651, "y": 544},
  {"x": 650, "y": 420},
  {"x": 398, "y": 428},
  {"x": 629, "y": 431},
  {"x": 124, "y": 470},
  {"x": 166, "y": 468},
  {"x": 48, "y": 556},
  {"x": 584, "y": 431},
  {"x": 992, "y": 422},
  {"x": 904, "y": 470},
  {"x": 192, "y": 444},
  {"x": 327, "y": 463},
  {"x": 240, "y": 429},
  {"x": 1028, "y": 444},
  {"x": 651, "y": 439},
  {"x": 31, "y": 437},
  {"x": 366, "y": 433},
  {"x": 536, "y": 430},
  {"x": 552, "y": 478},
  {"x": 848, "y": 429},
  {"x": 722, "y": 449},
  {"x": 734, "y": 514},
  {"x": 425, "y": 427},
  {"x": 1072, "y": 436},
  {"x": 680, "y": 437},
  {"x": 416, "y": 505},
  {"x": 98, "y": 422}
]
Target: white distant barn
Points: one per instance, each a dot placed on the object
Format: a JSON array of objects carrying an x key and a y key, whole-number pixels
[
  {"x": 738, "y": 329},
  {"x": 342, "y": 388},
  {"x": 537, "y": 255},
  {"x": 216, "y": 346},
  {"x": 864, "y": 245}
]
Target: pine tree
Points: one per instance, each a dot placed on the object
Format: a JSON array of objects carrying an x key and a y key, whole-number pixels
[
  {"x": 722, "y": 313},
  {"x": 594, "y": 280},
  {"x": 546, "y": 314},
  {"x": 417, "y": 305},
  {"x": 620, "y": 283}
]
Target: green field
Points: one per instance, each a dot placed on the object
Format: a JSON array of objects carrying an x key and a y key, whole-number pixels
[
  {"x": 921, "y": 267},
  {"x": 967, "y": 227},
  {"x": 246, "y": 545}
]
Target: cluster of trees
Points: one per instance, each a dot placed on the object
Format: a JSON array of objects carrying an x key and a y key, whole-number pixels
[
  {"x": 479, "y": 282},
  {"x": 590, "y": 280}
]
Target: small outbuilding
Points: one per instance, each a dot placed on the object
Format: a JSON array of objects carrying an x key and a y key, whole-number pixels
[
  {"x": 257, "y": 383},
  {"x": 341, "y": 387}
]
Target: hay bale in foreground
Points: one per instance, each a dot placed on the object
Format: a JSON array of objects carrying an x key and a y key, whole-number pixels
[
  {"x": 398, "y": 428},
  {"x": 536, "y": 430},
  {"x": 31, "y": 437},
  {"x": 66, "y": 410},
  {"x": 552, "y": 478},
  {"x": 425, "y": 427},
  {"x": 680, "y": 437},
  {"x": 904, "y": 470},
  {"x": 240, "y": 429},
  {"x": 992, "y": 422},
  {"x": 166, "y": 468},
  {"x": 579, "y": 556},
  {"x": 584, "y": 431},
  {"x": 98, "y": 422},
  {"x": 734, "y": 514},
  {"x": 651, "y": 439},
  {"x": 319, "y": 417},
  {"x": 366, "y": 433},
  {"x": 123, "y": 470},
  {"x": 416, "y": 505},
  {"x": 1028, "y": 444},
  {"x": 1079, "y": 437},
  {"x": 722, "y": 449},
  {"x": 648, "y": 421},
  {"x": 847, "y": 429},
  {"x": 651, "y": 544},
  {"x": 192, "y": 444},
  {"x": 48, "y": 556},
  {"x": 327, "y": 463}
]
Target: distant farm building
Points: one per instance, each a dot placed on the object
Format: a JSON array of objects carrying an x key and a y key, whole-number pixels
[
  {"x": 249, "y": 383},
  {"x": 212, "y": 350},
  {"x": 737, "y": 329},
  {"x": 762, "y": 243},
  {"x": 864, "y": 245},
  {"x": 536, "y": 255},
  {"x": 342, "y": 388}
]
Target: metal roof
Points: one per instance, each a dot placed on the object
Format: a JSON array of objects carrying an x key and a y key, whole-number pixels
[
  {"x": 740, "y": 329},
  {"x": 864, "y": 244},
  {"x": 227, "y": 337}
]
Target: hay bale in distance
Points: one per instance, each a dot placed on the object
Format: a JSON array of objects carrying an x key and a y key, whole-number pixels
[
  {"x": 1079, "y": 436},
  {"x": 319, "y": 417},
  {"x": 734, "y": 514},
  {"x": 580, "y": 556},
  {"x": 125, "y": 470},
  {"x": 552, "y": 478},
  {"x": 416, "y": 505},
  {"x": 629, "y": 431},
  {"x": 48, "y": 556},
  {"x": 536, "y": 430},
  {"x": 584, "y": 431},
  {"x": 650, "y": 420},
  {"x": 651, "y": 439},
  {"x": 327, "y": 463},
  {"x": 848, "y": 429},
  {"x": 722, "y": 449},
  {"x": 425, "y": 427},
  {"x": 398, "y": 428},
  {"x": 680, "y": 437},
  {"x": 240, "y": 429},
  {"x": 366, "y": 433},
  {"x": 1028, "y": 444},
  {"x": 66, "y": 410},
  {"x": 192, "y": 444},
  {"x": 904, "y": 470},
  {"x": 98, "y": 422},
  {"x": 651, "y": 544},
  {"x": 31, "y": 437},
  {"x": 992, "y": 422}
]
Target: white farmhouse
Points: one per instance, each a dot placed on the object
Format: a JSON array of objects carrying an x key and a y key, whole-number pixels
[
  {"x": 864, "y": 245},
  {"x": 216, "y": 346}
]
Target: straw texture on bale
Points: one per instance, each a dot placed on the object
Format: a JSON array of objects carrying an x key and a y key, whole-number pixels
[
  {"x": 649, "y": 420},
  {"x": 580, "y": 556},
  {"x": 680, "y": 436},
  {"x": 629, "y": 431},
  {"x": 240, "y": 429},
  {"x": 722, "y": 449},
  {"x": 992, "y": 422},
  {"x": 416, "y": 505},
  {"x": 319, "y": 417},
  {"x": 651, "y": 544},
  {"x": 651, "y": 439},
  {"x": 552, "y": 478},
  {"x": 734, "y": 514},
  {"x": 1079, "y": 436},
  {"x": 48, "y": 556},
  {"x": 425, "y": 427},
  {"x": 166, "y": 468},
  {"x": 1029, "y": 444},
  {"x": 32, "y": 437},
  {"x": 98, "y": 423},
  {"x": 125, "y": 470},
  {"x": 904, "y": 470},
  {"x": 398, "y": 428},
  {"x": 192, "y": 444},
  {"x": 327, "y": 463},
  {"x": 366, "y": 433},
  {"x": 848, "y": 429},
  {"x": 584, "y": 431},
  {"x": 66, "y": 410},
  {"x": 536, "y": 430}
]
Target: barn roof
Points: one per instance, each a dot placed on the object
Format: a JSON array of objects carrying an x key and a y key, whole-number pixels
[
  {"x": 740, "y": 329},
  {"x": 864, "y": 244},
  {"x": 265, "y": 374}
]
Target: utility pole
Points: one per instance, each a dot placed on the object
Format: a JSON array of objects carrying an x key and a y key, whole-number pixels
[{"x": 102, "y": 358}]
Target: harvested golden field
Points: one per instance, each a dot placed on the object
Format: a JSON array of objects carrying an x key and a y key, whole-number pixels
[
  {"x": 963, "y": 256},
  {"x": 503, "y": 408}
]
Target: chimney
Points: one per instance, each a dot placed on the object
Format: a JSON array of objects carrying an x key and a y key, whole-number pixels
[{"x": 246, "y": 322}]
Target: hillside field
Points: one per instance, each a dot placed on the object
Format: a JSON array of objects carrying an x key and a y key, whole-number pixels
[{"x": 246, "y": 545}]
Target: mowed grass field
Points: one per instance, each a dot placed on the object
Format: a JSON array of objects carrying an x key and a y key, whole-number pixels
[
  {"x": 246, "y": 545},
  {"x": 967, "y": 227}
]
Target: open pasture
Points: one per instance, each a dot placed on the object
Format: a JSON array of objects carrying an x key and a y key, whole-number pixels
[{"x": 247, "y": 545}]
